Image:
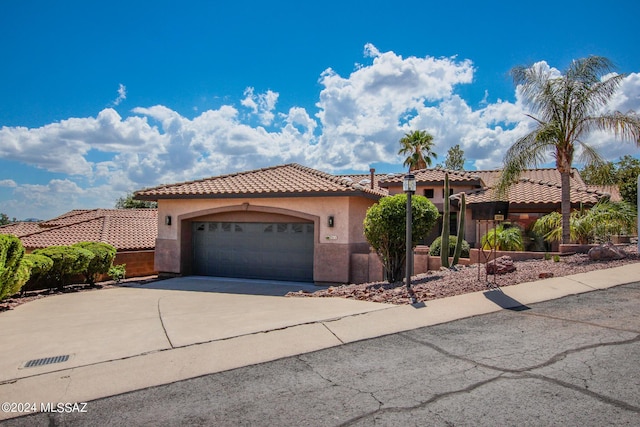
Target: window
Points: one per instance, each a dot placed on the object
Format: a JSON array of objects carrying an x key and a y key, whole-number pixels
[
  {"x": 450, "y": 192},
  {"x": 428, "y": 193}
]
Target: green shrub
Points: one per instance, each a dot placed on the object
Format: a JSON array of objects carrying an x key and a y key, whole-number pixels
[
  {"x": 39, "y": 265},
  {"x": 118, "y": 272},
  {"x": 104, "y": 254},
  {"x": 434, "y": 248},
  {"x": 504, "y": 237},
  {"x": 385, "y": 229},
  {"x": 22, "y": 275},
  {"x": 556, "y": 258},
  {"x": 67, "y": 261},
  {"x": 11, "y": 270}
]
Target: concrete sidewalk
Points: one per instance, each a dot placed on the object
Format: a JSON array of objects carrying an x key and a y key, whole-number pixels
[{"x": 123, "y": 339}]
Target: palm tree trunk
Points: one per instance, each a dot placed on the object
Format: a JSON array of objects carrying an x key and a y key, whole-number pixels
[{"x": 565, "y": 206}]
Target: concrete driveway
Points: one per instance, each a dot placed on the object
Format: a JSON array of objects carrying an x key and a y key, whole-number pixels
[{"x": 133, "y": 320}]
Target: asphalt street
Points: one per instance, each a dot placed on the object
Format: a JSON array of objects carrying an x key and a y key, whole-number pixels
[{"x": 574, "y": 361}]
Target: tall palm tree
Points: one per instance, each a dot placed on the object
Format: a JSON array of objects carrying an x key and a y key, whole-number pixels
[
  {"x": 418, "y": 145},
  {"x": 566, "y": 109}
]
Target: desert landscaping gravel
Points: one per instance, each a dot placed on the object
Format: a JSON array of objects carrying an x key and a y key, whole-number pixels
[{"x": 460, "y": 280}]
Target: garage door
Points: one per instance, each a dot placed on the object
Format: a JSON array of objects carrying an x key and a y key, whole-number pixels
[{"x": 277, "y": 251}]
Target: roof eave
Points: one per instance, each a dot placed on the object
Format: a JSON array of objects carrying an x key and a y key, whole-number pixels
[{"x": 354, "y": 193}]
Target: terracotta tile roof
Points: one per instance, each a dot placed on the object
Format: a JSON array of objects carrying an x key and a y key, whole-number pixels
[
  {"x": 126, "y": 229},
  {"x": 529, "y": 192},
  {"x": 434, "y": 175},
  {"x": 284, "y": 180},
  {"x": 490, "y": 177},
  {"x": 612, "y": 190},
  {"x": 20, "y": 228},
  {"x": 365, "y": 180}
]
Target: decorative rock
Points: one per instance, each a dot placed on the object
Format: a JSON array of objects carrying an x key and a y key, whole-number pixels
[
  {"x": 501, "y": 265},
  {"x": 545, "y": 275},
  {"x": 605, "y": 252}
]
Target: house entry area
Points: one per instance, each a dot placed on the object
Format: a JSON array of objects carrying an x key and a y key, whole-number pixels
[{"x": 254, "y": 250}]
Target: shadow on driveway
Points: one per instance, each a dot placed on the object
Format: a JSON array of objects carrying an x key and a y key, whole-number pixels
[{"x": 228, "y": 285}]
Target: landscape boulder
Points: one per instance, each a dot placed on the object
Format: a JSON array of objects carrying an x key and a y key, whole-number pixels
[
  {"x": 501, "y": 265},
  {"x": 605, "y": 252}
]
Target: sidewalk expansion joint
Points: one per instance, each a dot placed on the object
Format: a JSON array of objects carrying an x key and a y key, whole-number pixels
[
  {"x": 582, "y": 283},
  {"x": 332, "y": 333}
]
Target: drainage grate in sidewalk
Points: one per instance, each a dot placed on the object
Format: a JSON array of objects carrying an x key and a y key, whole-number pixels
[{"x": 46, "y": 361}]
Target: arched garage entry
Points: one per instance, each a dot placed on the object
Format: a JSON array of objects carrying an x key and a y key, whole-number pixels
[{"x": 253, "y": 242}]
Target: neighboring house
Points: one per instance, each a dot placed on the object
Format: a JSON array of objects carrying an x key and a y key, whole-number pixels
[
  {"x": 132, "y": 232},
  {"x": 292, "y": 222},
  {"x": 537, "y": 193}
]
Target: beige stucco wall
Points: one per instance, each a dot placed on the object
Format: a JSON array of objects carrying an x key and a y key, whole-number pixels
[{"x": 333, "y": 245}]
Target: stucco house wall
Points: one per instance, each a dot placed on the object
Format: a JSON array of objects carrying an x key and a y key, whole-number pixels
[{"x": 333, "y": 246}]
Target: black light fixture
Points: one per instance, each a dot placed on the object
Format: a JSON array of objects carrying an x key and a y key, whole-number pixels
[
  {"x": 330, "y": 221},
  {"x": 167, "y": 220},
  {"x": 409, "y": 187}
]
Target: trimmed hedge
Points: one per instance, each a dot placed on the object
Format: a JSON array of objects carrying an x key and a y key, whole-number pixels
[
  {"x": 39, "y": 266},
  {"x": 12, "y": 270},
  {"x": 67, "y": 261}
]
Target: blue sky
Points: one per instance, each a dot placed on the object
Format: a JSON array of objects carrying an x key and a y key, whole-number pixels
[{"x": 101, "y": 98}]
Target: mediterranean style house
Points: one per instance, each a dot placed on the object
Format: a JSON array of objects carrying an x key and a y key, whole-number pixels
[
  {"x": 132, "y": 232},
  {"x": 291, "y": 222}
]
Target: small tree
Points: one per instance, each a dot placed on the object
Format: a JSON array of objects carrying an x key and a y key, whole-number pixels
[
  {"x": 455, "y": 158},
  {"x": 385, "y": 229},
  {"x": 4, "y": 219},
  {"x": 104, "y": 254},
  {"x": 628, "y": 169},
  {"x": 128, "y": 202}
]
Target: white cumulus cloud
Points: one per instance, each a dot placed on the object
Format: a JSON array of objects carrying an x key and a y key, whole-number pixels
[{"x": 359, "y": 120}]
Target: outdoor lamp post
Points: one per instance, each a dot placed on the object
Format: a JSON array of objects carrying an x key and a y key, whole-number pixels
[{"x": 409, "y": 187}]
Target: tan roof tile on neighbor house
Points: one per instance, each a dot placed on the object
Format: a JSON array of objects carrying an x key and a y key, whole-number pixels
[
  {"x": 611, "y": 190},
  {"x": 20, "y": 228},
  {"x": 551, "y": 175},
  {"x": 530, "y": 192},
  {"x": 126, "y": 229},
  {"x": 284, "y": 180},
  {"x": 433, "y": 175}
]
